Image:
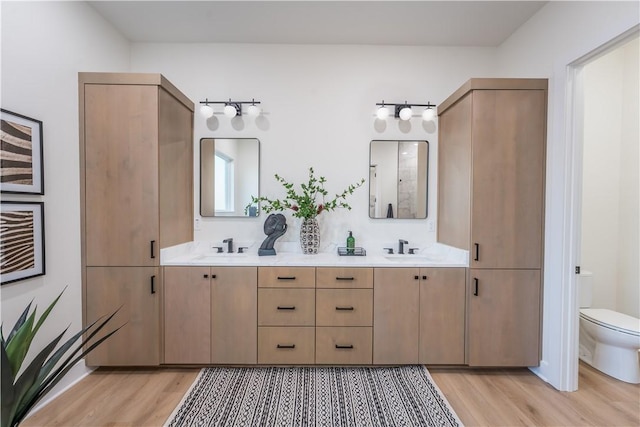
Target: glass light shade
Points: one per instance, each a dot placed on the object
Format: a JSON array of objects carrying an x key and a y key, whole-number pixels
[
  {"x": 206, "y": 111},
  {"x": 230, "y": 111},
  {"x": 429, "y": 114},
  {"x": 382, "y": 113},
  {"x": 253, "y": 110},
  {"x": 405, "y": 113}
]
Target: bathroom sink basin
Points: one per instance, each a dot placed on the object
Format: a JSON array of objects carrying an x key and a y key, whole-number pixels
[
  {"x": 217, "y": 256},
  {"x": 410, "y": 259}
]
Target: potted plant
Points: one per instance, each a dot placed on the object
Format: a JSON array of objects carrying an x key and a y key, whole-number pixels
[
  {"x": 307, "y": 203},
  {"x": 22, "y": 387}
]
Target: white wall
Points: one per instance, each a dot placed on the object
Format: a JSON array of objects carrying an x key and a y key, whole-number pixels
[
  {"x": 610, "y": 179},
  {"x": 559, "y": 34},
  {"x": 43, "y": 46},
  {"x": 319, "y": 105}
]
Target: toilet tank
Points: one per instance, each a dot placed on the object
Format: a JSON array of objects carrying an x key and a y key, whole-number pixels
[{"x": 585, "y": 288}]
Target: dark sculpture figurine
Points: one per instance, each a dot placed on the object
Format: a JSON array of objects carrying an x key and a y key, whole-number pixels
[{"x": 274, "y": 226}]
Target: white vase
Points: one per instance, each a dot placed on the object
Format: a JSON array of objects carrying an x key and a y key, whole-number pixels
[{"x": 310, "y": 236}]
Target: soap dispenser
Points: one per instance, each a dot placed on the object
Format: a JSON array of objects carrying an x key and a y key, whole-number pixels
[{"x": 351, "y": 243}]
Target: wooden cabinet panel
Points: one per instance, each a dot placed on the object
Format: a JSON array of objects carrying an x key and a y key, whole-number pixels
[
  {"x": 135, "y": 291},
  {"x": 286, "y": 345},
  {"x": 442, "y": 316},
  {"x": 234, "y": 301},
  {"x": 344, "y": 307},
  {"x": 503, "y": 325},
  {"x": 121, "y": 164},
  {"x": 187, "y": 315},
  {"x": 343, "y": 346},
  {"x": 334, "y": 277},
  {"x": 286, "y": 277},
  {"x": 508, "y": 178},
  {"x": 396, "y": 312},
  {"x": 286, "y": 307}
]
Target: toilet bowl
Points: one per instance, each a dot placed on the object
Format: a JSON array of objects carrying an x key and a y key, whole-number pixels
[{"x": 609, "y": 341}]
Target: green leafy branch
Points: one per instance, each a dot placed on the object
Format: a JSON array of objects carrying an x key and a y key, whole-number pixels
[{"x": 304, "y": 202}]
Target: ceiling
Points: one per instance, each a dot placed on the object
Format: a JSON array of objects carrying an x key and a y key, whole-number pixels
[{"x": 411, "y": 23}]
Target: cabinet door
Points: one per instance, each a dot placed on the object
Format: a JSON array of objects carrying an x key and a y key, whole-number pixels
[
  {"x": 121, "y": 160},
  {"x": 187, "y": 315},
  {"x": 234, "y": 318},
  {"x": 396, "y": 299},
  {"x": 503, "y": 317},
  {"x": 442, "y": 314},
  {"x": 508, "y": 178},
  {"x": 135, "y": 291}
]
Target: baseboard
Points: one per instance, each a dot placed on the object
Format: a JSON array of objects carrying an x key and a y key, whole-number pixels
[
  {"x": 75, "y": 375},
  {"x": 538, "y": 370}
]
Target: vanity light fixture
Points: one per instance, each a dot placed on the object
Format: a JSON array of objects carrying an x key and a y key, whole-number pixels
[
  {"x": 231, "y": 108},
  {"x": 405, "y": 111}
]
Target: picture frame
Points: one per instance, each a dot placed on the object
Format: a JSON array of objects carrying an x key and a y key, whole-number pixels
[
  {"x": 21, "y": 154},
  {"x": 22, "y": 254}
]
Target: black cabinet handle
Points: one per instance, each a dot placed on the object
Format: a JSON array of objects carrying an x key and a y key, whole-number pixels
[
  {"x": 286, "y": 277},
  {"x": 213, "y": 276},
  {"x": 344, "y": 308},
  {"x": 424, "y": 277},
  {"x": 416, "y": 277},
  {"x": 286, "y": 307},
  {"x": 286, "y": 346},
  {"x": 206, "y": 276},
  {"x": 345, "y": 278},
  {"x": 477, "y": 250},
  {"x": 153, "y": 284},
  {"x": 350, "y": 346},
  {"x": 475, "y": 284},
  {"x": 153, "y": 249}
]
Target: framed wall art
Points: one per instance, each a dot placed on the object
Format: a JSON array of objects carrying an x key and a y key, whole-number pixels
[
  {"x": 21, "y": 241},
  {"x": 21, "y": 166}
]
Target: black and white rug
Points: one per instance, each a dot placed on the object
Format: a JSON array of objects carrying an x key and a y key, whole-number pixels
[{"x": 314, "y": 396}]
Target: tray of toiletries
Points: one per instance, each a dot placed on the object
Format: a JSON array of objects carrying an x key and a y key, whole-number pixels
[{"x": 343, "y": 251}]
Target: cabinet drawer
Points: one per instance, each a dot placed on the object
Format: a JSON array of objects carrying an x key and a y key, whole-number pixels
[
  {"x": 344, "y": 346},
  {"x": 344, "y": 307},
  {"x": 286, "y": 277},
  {"x": 286, "y": 345},
  {"x": 329, "y": 277},
  {"x": 286, "y": 307}
]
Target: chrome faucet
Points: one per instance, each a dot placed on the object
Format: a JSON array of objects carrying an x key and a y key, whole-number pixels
[
  {"x": 229, "y": 243},
  {"x": 401, "y": 244}
]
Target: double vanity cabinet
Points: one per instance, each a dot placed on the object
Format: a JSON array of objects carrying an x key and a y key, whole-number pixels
[{"x": 313, "y": 315}]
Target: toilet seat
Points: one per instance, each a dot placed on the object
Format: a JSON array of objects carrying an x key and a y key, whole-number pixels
[{"x": 612, "y": 320}]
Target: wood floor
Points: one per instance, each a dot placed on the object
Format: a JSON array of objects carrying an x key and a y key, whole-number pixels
[{"x": 132, "y": 398}]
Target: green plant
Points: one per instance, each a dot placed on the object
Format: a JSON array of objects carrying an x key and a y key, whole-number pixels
[
  {"x": 304, "y": 204},
  {"x": 21, "y": 392}
]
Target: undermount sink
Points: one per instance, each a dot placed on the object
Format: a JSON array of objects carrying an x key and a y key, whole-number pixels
[
  {"x": 216, "y": 255},
  {"x": 410, "y": 258}
]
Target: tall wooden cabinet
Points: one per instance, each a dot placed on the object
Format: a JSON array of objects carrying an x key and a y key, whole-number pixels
[
  {"x": 136, "y": 183},
  {"x": 491, "y": 180}
]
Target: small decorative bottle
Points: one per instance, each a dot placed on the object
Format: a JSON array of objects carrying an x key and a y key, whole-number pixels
[{"x": 351, "y": 244}]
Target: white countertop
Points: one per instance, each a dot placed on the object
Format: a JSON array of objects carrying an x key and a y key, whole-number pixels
[{"x": 201, "y": 254}]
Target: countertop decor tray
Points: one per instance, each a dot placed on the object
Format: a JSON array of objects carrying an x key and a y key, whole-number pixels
[{"x": 342, "y": 251}]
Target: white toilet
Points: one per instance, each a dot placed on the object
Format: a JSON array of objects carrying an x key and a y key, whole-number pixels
[{"x": 609, "y": 341}]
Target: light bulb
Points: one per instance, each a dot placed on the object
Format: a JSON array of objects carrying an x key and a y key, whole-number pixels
[
  {"x": 405, "y": 113},
  {"x": 382, "y": 113},
  {"x": 429, "y": 114},
  {"x": 230, "y": 111},
  {"x": 253, "y": 110},
  {"x": 206, "y": 111}
]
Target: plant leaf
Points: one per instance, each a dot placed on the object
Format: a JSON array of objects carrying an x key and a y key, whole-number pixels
[
  {"x": 8, "y": 394},
  {"x": 19, "y": 345},
  {"x": 19, "y": 322},
  {"x": 45, "y": 314}
]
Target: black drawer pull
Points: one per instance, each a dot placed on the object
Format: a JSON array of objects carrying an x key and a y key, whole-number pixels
[
  {"x": 286, "y": 277},
  {"x": 345, "y": 278},
  {"x": 153, "y": 284},
  {"x": 475, "y": 283},
  {"x": 477, "y": 256},
  {"x": 213, "y": 276},
  {"x": 206, "y": 276},
  {"x": 349, "y": 347},
  {"x": 424, "y": 277},
  {"x": 344, "y": 308},
  {"x": 153, "y": 249},
  {"x": 286, "y": 346},
  {"x": 286, "y": 307},
  {"x": 416, "y": 277}
]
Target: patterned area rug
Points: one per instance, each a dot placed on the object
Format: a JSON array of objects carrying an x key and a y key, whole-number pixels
[{"x": 314, "y": 396}]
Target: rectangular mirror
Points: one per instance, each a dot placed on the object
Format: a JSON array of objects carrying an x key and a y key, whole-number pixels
[
  {"x": 229, "y": 176},
  {"x": 398, "y": 179}
]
